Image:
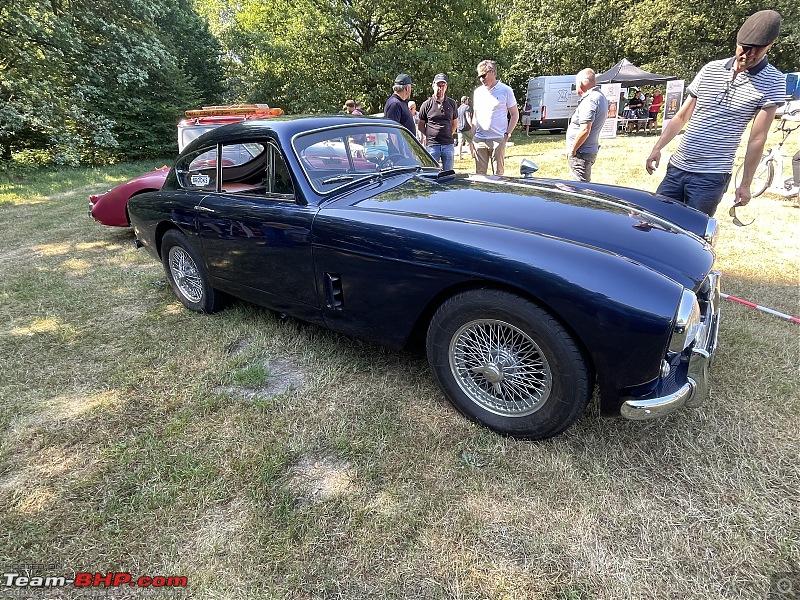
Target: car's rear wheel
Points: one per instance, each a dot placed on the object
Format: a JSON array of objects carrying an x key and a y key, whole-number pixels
[
  {"x": 187, "y": 276},
  {"x": 507, "y": 364}
]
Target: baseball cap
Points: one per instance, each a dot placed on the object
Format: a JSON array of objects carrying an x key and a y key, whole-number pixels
[
  {"x": 760, "y": 29},
  {"x": 403, "y": 79},
  {"x": 440, "y": 77}
]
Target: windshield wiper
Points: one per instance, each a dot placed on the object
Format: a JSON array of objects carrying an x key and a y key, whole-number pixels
[{"x": 338, "y": 179}]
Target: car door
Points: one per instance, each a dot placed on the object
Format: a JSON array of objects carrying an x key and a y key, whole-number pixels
[{"x": 255, "y": 236}]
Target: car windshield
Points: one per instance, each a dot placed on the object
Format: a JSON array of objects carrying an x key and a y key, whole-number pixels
[{"x": 335, "y": 157}]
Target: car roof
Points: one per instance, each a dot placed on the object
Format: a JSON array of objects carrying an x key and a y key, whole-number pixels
[{"x": 285, "y": 127}]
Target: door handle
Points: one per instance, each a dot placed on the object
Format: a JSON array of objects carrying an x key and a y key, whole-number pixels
[{"x": 204, "y": 208}]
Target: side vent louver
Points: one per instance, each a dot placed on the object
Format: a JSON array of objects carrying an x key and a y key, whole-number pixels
[{"x": 333, "y": 291}]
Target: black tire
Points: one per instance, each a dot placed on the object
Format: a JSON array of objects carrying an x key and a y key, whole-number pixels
[
  {"x": 762, "y": 178},
  {"x": 188, "y": 276},
  {"x": 530, "y": 381}
]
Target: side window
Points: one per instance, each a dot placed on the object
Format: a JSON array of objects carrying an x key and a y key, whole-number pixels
[
  {"x": 255, "y": 169},
  {"x": 243, "y": 168},
  {"x": 198, "y": 170},
  {"x": 281, "y": 181}
]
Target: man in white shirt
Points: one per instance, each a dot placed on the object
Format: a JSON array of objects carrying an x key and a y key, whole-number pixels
[{"x": 492, "y": 104}]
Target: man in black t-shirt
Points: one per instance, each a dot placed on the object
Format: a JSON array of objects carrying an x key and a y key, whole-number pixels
[{"x": 438, "y": 121}]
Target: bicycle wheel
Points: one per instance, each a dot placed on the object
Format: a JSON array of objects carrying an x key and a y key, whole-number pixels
[{"x": 762, "y": 179}]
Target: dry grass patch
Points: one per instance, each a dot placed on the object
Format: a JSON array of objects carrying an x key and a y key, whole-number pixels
[{"x": 320, "y": 478}]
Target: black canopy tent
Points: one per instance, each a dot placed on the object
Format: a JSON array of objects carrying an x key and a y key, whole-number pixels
[{"x": 629, "y": 74}]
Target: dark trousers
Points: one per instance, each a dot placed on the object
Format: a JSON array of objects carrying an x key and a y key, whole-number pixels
[{"x": 702, "y": 191}]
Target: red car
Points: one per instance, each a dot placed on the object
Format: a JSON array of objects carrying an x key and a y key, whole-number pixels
[{"x": 111, "y": 207}]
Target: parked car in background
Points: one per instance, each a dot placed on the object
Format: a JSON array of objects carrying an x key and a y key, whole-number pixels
[
  {"x": 110, "y": 207},
  {"x": 524, "y": 292}
]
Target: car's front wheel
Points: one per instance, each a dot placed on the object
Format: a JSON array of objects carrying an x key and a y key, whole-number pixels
[
  {"x": 187, "y": 276},
  {"x": 507, "y": 364}
]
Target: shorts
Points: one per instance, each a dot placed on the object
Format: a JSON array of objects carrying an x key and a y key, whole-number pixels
[{"x": 526, "y": 120}]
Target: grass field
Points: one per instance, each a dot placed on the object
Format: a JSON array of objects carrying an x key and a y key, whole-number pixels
[{"x": 262, "y": 457}]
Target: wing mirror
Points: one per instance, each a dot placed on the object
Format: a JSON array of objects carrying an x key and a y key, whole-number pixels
[{"x": 527, "y": 168}]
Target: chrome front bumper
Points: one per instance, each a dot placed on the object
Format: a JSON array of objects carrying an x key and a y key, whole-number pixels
[{"x": 695, "y": 391}]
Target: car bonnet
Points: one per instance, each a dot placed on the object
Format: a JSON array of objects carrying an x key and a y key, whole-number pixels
[{"x": 557, "y": 210}]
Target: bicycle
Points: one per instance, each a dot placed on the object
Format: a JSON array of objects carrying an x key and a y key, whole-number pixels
[{"x": 770, "y": 165}]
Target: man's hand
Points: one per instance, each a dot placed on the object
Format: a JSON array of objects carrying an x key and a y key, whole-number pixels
[
  {"x": 673, "y": 128},
  {"x": 743, "y": 196},
  {"x": 653, "y": 161}
]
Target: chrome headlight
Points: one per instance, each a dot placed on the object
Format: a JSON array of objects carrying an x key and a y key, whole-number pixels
[{"x": 687, "y": 322}]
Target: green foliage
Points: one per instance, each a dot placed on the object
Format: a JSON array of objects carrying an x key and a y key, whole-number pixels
[
  {"x": 94, "y": 81},
  {"x": 548, "y": 37},
  {"x": 309, "y": 56},
  {"x": 89, "y": 82}
]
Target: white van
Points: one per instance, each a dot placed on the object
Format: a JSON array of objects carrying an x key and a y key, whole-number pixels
[{"x": 553, "y": 99}]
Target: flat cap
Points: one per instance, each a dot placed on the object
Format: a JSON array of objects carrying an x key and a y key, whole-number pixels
[{"x": 760, "y": 29}]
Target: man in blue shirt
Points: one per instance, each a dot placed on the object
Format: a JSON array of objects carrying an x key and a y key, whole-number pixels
[
  {"x": 583, "y": 133},
  {"x": 396, "y": 107}
]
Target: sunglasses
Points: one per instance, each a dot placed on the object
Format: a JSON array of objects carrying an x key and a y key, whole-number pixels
[
  {"x": 747, "y": 48},
  {"x": 730, "y": 89},
  {"x": 482, "y": 76},
  {"x": 736, "y": 220}
]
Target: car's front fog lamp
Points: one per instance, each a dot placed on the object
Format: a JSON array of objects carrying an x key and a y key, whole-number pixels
[{"x": 687, "y": 322}]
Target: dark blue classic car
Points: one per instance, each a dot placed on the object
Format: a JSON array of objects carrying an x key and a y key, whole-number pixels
[{"x": 525, "y": 292}]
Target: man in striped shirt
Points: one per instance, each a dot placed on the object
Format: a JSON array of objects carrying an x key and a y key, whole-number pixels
[{"x": 723, "y": 98}]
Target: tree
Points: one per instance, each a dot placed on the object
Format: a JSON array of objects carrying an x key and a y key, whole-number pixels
[
  {"x": 310, "y": 55},
  {"x": 550, "y": 37},
  {"x": 76, "y": 86}
]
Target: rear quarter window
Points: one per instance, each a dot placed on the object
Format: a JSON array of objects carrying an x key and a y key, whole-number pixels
[{"x": 198, "y": 170}]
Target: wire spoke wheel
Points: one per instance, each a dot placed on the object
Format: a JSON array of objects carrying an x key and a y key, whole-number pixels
[
  {"x": 500, "y": 368},
  {"x": 508, "y": 364},
  {"x": 185, "y": 273}
]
